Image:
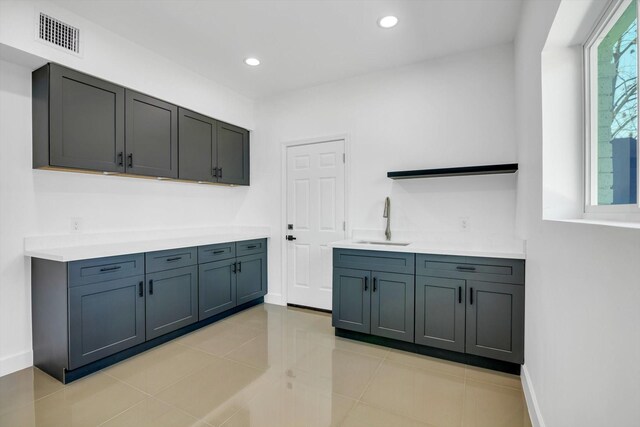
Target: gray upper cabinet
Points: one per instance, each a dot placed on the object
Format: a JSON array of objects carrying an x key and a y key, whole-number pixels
[
  {"x": 440, "y": 312},
  {"x": 392, "y": 300},
  {"x": 151, "y": 136},
  {"x": 197, "y": 147},
  {"x": 352, "y": 299},
  {"x": 172, "y": 300},
  {"x": 85, "y": 123},
  {"x": 105, "y": 318},
  {"x": 233, "y": 154},
  {"x": 78, "y": 121},
  {"x": 495, "y": 321}
]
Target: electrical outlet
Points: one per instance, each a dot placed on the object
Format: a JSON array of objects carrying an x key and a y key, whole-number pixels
[
  {"x": 76, "y": 225},
  {"x": 463, "y": 222}
]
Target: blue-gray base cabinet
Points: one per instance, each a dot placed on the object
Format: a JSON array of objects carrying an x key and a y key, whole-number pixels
[
  {"x": 447, "y": 306},
  {"x": 92, "y": 313}
]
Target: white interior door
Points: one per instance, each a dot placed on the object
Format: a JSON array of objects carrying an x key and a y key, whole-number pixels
[{"x": 315, "y": 217}]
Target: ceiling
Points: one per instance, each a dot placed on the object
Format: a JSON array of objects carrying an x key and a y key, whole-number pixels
[{"x": 301, "y": 43}]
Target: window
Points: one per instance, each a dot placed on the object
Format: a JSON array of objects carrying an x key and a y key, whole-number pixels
[{"x": 612, "y": 112}]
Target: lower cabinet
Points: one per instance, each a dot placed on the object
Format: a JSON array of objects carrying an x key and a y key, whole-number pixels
[
  {"x": 105, "y": 318},
  {"x": 225, "y": 284},
  {"x": 495, "y": 321},
  {"x": 172, "y": 300},
  {"x": 373, "y": 302},
  {"x": 217, "y": 287},
  {"x": 440, "y": 312}
]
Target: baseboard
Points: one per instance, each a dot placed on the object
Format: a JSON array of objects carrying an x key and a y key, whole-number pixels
[
  {"x": 274, "y": 299},
  {"x": 530, "y": 396},
  {"x": 15, "y": 362}
]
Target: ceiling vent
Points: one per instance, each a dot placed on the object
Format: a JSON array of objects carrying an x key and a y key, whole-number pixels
[{"x": 58, "y": 33}]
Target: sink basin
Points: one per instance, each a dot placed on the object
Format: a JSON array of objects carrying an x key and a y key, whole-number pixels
[{"x": 382, "y": 242}]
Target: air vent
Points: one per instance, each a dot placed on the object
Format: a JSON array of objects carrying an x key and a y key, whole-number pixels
[{"x": 58, "y": 33}]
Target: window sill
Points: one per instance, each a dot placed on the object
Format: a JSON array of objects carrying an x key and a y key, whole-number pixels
[{"x": 601, "y": 222}]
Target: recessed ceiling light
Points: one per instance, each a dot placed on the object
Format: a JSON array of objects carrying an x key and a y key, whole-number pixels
[
  {"x": 252, "y": 61},
  {"x": 388, "y": 21}
]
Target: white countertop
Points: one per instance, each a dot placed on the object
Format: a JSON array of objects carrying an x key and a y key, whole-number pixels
[
  {"x": 74, "y": 247},
  {"x": 489, "y": 250}
]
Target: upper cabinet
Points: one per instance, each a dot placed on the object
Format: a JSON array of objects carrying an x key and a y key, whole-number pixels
[
  {"x": 151, "y": 136},
  {"x": 197, "y": 146},
  {"x": 233, "y": 154},
  {"x": 78, "y": 121},
  {"x": 82, "y": 122}
]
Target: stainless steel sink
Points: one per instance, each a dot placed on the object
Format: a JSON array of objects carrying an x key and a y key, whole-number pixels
[{"x": 382, "y": 242}]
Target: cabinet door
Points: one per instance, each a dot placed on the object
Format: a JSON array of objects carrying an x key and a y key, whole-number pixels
[
  {"x": 151, "y": 136},
  {"x": 196, "y": 146},
  {"x": 105, "y": 318},
  {"x": 251, "y": 277},
  {"x": 440, "y": 312},
  {"x": 233, "y": 154},
  {"x": 86, "y": 122},
  {"x": 392, "y": 305},
  {"x": 495, "y": 321},
  {"x": 352, "y": 299},
  {"x": 217, "y": 287},
  {"x": 172, "y": 300}
]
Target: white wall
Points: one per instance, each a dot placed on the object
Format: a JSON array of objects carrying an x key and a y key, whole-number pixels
[
  {"x": 453, "y": 111},
  {"x": 43, "y": 202},
  {"x": 582, "y": 286}
]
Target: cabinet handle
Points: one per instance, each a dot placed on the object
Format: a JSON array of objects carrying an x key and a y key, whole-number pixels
[
  {"x": 121, "y": 159},
  {"x": 459, "y": 294},
  {"x": 214, "y": 172},
  {"x": 366, "y": 283},
  {"x": 234, "y": 266},
  {"x": 470, "y": 296},
  {"x": 140, "y": 290},
  {"x": 240, "y": 267},
  {"x": 219, "y": 172},
  {"x": 150, "y": 287},
  {"x": 375, "y": 281},
  {"x": 174, "y": 259},
  {"x": 115, "y": 267},
  {"x": 130, "y": 160},
  {"x": 463, "y": 268},
  {"x": 218, "y": 252},
  {"x": 252, "y": 247}
]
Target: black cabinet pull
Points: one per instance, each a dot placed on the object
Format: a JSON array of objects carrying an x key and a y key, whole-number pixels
[
  {"x": 463, "y": 268},
  {"x": 218, "y": 252},
  {"x": 470, "y": 296},
  {"x": 366, "y": 283},
  {"x": 375, "y": 281},
  {"x": 115, "y": 267},
  {"x": 130, "y": 160},
  {"x": 214, "y": 172},
  {"x": 150, "y": 287},
  {"x": 219, "y": 172},
  {"x": 140, "y": 290},
  {"x": 121, "y": 159},
  {"x": 240, "y": 267},
  {"x": 174, "y": 259},
  {"x": 459, "y": 294},
  {"x": 234, "y": 266},
  {"x": 252, "y": 247}
]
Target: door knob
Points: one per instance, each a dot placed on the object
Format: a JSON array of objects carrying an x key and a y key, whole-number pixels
[{"x": 289, "y": 237}]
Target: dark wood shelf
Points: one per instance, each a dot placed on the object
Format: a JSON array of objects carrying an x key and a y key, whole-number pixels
[{"x": 457, "y": 171}]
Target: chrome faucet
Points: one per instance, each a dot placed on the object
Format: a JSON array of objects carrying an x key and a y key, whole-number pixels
[{"x": 387, "y": 214}]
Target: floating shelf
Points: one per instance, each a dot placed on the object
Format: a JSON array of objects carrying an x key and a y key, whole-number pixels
[{"x": 457, "y": 171}]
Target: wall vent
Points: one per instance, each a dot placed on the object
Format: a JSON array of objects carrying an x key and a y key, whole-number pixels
[{"x": 58, "y": 33}]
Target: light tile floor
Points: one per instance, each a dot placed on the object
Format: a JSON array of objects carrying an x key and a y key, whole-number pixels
[{"x": 268, "y": 366}]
